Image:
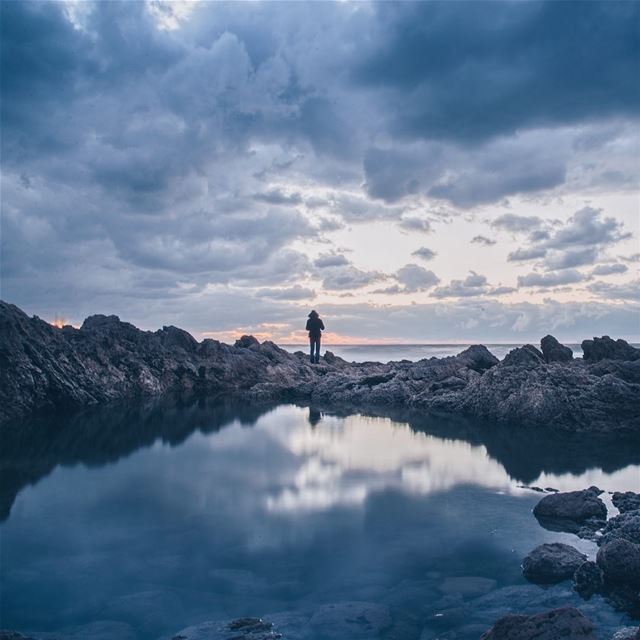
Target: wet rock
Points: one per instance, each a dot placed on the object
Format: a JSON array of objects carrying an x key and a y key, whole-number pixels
[
  {"x": 552, "y": 562},
  {"x": 625, "y": 526},
  {"x": 627, "y": 501},
  {"x": 607, "y": 349},
  {"x": 240, "y": 629},
  {"x": 106, "y": 359},
  {"x": 572, "y": 510},
  {"x": 351, "y": 620},
  {"x": 13, "y": 635},
  {"x": 587, "y": 579},
  {"x": 553, "y": 351},
  {"x": 628, "y": 633},
  {"x": 526, "y": 355},
  {"x": 467, "y": 586},
  {"x": 619, "y": 561},
  {"x": 566, "y": 622}
]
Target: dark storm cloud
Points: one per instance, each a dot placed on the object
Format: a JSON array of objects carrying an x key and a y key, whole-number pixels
[
  {"x": 146, "y": 164},
  {"x": 477, "y": 70}
]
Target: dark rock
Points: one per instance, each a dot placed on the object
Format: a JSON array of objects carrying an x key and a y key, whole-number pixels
[
  {"x": 587, "y": 579},
  {"x": 526, "y": 355},
  {"x": 240, "y": 629},
  {"x": 571, "y": 508},
  {"x": 619, "y": 561},
  {"x": 552, "y": 562},
  {"x": 607, "y": 349},
  {"x": 246, "y": 341},
  {"x": 42, "y": 367},
  {"x": 627, "y": 501},
  {"x": 627, "y": 633},
  {"x": 553, "y": 351},
  {"x": 567, "y": 623},
  {"x": 626, "y": 526},
  {"x": 351, "y": 620}
]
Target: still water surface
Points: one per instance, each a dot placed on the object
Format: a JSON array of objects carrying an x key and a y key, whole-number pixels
[{"x": 135, "y": 522}]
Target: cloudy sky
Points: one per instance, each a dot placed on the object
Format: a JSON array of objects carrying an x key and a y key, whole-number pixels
[{"x": 415, "y": 171}]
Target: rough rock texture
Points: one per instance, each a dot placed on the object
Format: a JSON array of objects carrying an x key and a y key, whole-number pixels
[
  {"x": 553, "y": 351},
  {"x": 567, "y": 623},
  {"x": 607, "y": 349},
  {"x": 627, "y": 501},
  {"x": 45, "y": 367},
  {"x": 628, "y": 633},
  {"x": 619, "y": 561},
  {"x": 588, "y": 579},
  {"x": 626, "y": 526},
  {"x": 572, "y": 511},
  {"x": 552, "y": 562}
]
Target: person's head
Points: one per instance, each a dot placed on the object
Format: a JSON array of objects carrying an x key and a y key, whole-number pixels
[{"x": 313, "y": 314}]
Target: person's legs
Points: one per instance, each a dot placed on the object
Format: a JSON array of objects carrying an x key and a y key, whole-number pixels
[
  {"x": 317, "y": 350},
  {"x": 311, "y": 347}
]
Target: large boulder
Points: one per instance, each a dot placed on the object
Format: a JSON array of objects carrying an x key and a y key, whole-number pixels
[
  {"x": 566, "y": 623},
  {"x": 619, "y": 561},
  {"x": 566, "y": 511},
  {"x": 607, "y": 349},
  {"x": 588, "y": 579},
  {"x": 552, "y": 562},
  {"x": 526, "y": 355},
  {"x": 627, "y": 501},
  {"x": 553, "y": 351}
]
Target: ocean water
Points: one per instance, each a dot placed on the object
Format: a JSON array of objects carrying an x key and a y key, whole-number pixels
[
  {"x": 413, "y": 352},
  {"x": 130, "y": 522}
]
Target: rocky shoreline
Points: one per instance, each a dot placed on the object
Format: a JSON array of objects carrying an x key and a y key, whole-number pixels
[{"x": 44, "y": 367}]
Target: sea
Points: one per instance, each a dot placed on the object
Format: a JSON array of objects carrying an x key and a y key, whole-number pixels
[
  {"x": 412, "y": 352},
  {"x": 137, "y": 521}
]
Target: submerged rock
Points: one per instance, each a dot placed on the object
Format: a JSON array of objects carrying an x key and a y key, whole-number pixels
[
  {"x": 552, "y": 562},
  {"x": 566, "y": 622},
  {"x": 240, "y": 629},
  {"x": 351, "y": 620}
]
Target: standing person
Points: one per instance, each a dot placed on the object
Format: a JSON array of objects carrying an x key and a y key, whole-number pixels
[{"x": 315, "y": 327}]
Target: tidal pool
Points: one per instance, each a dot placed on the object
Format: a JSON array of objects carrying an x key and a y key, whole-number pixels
[{"x": 134, "y": 521}]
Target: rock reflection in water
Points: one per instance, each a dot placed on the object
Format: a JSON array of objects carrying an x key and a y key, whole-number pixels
[{"x": 152, "y": 517}]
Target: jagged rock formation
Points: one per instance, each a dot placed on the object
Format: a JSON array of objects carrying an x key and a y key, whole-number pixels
[{"x": 45, "y": 367}]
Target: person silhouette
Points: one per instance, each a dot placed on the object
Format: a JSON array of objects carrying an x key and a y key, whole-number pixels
[{"x": 315, "y": 327}]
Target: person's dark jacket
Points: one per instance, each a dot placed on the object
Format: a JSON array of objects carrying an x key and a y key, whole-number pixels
[{"x": 315, "y": 326}]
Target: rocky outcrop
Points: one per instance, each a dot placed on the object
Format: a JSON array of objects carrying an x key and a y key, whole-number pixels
[
  {"x": 42, "y": 367},
  {"x": 626, "y": 501},
  {"x": 552, "y": 562},
  {"x": 553, "y": 351},
  {"x": 607, "y": 349},
  {"x": 580, "y": 512},
  {"x": 567, "y": 623}
]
